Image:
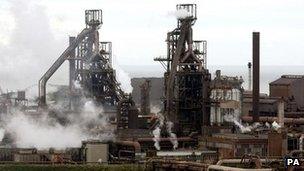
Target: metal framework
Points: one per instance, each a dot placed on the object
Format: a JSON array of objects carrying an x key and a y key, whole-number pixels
[
  {"x": 186, "y": 77},
  {"x": 88, "y": 39},
  {"x": 90, "y": 67}
]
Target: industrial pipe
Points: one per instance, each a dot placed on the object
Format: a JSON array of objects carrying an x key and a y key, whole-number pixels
[
  {"x": 64, "y": 56},
  {"x": 231, "y": 161},
  {"x": 166, "y": 139},
  {"x": 226, "y": 168},
  {"x": 272, "y": 119},
  {"x": 134, "y": 144}
]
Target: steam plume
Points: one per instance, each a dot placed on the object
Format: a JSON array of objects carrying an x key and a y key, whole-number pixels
[
  {"x": 180, "y": 14},
  {"x": 172, "y": 135},
  {"x": 31, "y": 44},
  {"x": 122, "y": 77},
  {"x": 45, "y": 131},
  {"x": 156, "y": 133},
  {"x": 243, "y": 128}
]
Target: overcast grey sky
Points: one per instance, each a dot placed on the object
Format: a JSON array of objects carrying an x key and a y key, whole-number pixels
[{"x": 34, "y": 32}]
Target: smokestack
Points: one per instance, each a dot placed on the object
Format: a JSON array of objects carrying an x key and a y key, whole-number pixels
[
  {"x": 281, "y": 112},
  {"x": 249, "y": 76},
  {"x": 256, "y": 75}
]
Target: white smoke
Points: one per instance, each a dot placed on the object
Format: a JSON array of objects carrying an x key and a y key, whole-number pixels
[
  {"x": 2, "y": 131},
  {"x": 275, "y": 125},
  {"x": 172, "y": 135},
  {"x": 248, "y": 128},
  {"x": 43, "y": 131},
  {"x": 180, "y": 14},
  {"x": 161, "y": 119},
  {"x": 156, "y": 138},
  {"x": 29, "y": 132},
  {"x": 157, "y": 132},
  {"x": 155, "y": 109},
  {"x": 77, "y": 84},
  {"x": 31, "y": 46},
  {"x": 267, "y": 125},
  {"x": 237, "y": 122},
  {"x": 122, "y": 77}
]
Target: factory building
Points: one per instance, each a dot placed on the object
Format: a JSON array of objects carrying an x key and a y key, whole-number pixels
[
  {"x": 291, "y": 88},
  {"x": 226, "y": 97},
  {"x": 236, "y": 145}
]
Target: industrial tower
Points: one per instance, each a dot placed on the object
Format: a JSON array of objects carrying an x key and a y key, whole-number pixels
[
  {"x": 91, "y": 69},
  {"x": 186, "y": 78}
]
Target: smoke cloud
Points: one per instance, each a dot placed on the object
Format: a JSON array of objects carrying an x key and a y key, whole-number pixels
[
  {"x": 248, "y": 128},
  {"x": 156, "y": 138},
  {"x": 122, "y": 77},
  {"x": 2, "y": 131},
  {"x": 29, "y": 132},
  {"x": 157, "y": 132},
  {"x": 237, "y": 122},
  {"x": 173, "y": 138},
  {"x": 155, "y": 109},
  {"x": 275, "y": 125},
  {"x": 58, "y": 129},
  {"x": 31, "y": 46},
  {"x": 180, "y": 14}
]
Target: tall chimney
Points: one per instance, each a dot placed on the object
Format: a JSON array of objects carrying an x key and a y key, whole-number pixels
[
  {"x": 281, "y": 112},
  {"x": 256, "y": 75},
  {"x": 249, "y": 76}
]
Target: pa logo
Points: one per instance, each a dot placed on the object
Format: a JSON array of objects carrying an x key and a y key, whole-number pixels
[{"x": 292, "y": 161}]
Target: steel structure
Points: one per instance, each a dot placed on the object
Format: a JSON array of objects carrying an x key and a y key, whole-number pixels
[
  {"x": 90, "y": 68},
  {"x": 90, "y": 65},
  {"x": 93, "y": 19},
  {"x": 186, "y": 78}
]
